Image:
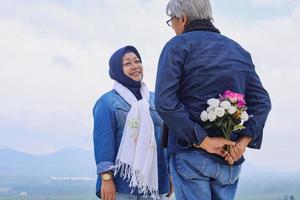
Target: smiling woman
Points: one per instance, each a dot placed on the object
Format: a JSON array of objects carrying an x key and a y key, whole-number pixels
[
  {"x": 132, "y": 66},
  {"x": 127, "y": 130}
]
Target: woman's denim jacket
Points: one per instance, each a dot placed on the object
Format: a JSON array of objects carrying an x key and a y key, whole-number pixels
[{"x": 110, "y": 113}]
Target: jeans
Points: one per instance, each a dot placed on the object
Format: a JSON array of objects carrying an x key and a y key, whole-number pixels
[
  {"x": 198, "y": 177},
  {"x": 122, "y": 196}
]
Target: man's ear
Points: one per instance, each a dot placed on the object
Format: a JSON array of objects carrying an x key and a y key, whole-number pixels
[{"x": 185, "y": 21}]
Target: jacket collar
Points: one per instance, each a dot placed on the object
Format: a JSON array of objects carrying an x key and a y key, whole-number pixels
[{"x": 201, "y": 25}]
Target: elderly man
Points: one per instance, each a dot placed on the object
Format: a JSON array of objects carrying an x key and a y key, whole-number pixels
[{"x": 198, "y": 64}]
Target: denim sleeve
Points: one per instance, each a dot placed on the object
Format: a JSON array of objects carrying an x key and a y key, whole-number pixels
[
  {"x": 171, "y": 110},
  {"x": 259, "y": 105},
  {"x": 104, "y": 136}
]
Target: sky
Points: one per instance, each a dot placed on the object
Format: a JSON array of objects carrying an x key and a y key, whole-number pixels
[{"x": 54, "y": 66}]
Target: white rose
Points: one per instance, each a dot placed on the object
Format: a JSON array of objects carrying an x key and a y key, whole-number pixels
[
  {"x": 225, "y": 104},
  {"x": 211, "y": 116},
  {"x": 232, "y": 110},
  {"x": 213, "y": 102},
  {"x": 219, "y": 112},
  {"x": 204, "y": 116},
  {"x": 210, "y": 109},
  {"x": 244, "y": 116},
  {"x": 209, "y": 101}
]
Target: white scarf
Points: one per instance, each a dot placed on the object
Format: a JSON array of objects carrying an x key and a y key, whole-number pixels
[{"x": 137, "y": 155}]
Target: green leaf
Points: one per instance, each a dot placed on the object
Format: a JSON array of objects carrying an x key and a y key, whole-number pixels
[{"x": 238, "y": 127}]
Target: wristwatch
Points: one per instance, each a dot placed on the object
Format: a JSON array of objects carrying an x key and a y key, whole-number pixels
[{"x": 106, "y": 176}]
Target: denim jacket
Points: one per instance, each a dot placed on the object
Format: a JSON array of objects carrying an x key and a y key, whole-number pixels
[
  {"x": 110, "y": 113},
  {"x": 199, "y": 65}
]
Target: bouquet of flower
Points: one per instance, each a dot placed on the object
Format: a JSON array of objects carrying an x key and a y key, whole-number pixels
[{"x": 227, "y": 112}]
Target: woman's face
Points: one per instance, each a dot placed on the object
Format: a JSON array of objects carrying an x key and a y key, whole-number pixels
[{"x": 132, "y": 66}]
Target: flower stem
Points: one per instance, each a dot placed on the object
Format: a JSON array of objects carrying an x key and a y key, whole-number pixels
[{"x": 227, "y": 129}]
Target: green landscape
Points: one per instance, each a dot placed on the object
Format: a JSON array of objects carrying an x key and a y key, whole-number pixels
[
  {"x": 271, "y": 187},
  {"x": 69, "y": 174}
]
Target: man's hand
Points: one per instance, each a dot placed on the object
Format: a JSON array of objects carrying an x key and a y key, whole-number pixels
[
  {"x": 215, "y": 145},
  {"x": 108, "y": 190},
  {"x": 237, "y": 151}
]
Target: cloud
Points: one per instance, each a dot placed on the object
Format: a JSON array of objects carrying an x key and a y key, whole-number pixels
[
  {"x": 272, "y": 41},
  {"x": 49, "y": 104},
  {"x": 62, "y": 61},
  {"x": 273, "y": 2},
  {"x": 249, "y": 10}
]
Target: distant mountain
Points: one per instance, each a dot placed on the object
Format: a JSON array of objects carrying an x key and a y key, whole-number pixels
[{"x": 66, "y": 162}]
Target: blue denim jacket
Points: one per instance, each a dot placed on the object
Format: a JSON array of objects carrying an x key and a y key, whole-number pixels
[
  {"x": 199, "y": 65},
  {"x": 110, "y": 113}
]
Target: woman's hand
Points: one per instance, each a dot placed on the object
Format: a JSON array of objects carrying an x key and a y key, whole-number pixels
[
  {"x": 108, "y": 190},
  {"x": 171, "y": 188}
]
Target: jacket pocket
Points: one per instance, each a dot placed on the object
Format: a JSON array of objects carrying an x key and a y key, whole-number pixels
[{"x": 121, "y": 115}]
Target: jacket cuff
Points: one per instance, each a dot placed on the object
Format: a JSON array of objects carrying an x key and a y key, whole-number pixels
[
  {"x": 250, "y": 132},
  {"x": 200, "y": 134},
  {"x": 105, "y": 166}
]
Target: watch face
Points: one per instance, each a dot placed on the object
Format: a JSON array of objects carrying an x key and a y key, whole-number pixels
[{"x": 106, "y": 177}]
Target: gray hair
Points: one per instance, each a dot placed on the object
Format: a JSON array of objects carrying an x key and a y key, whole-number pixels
[{"x": 193, "y": 9}]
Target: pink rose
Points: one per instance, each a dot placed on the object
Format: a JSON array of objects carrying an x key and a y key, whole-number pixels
[
  {"x": 241, "y": 103},
  {"x": 233, "y": 97},
  {"x": 240, "y": 97}
]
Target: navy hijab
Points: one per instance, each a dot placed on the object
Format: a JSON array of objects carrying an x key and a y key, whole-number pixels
[{"x": 116, "y": 70}]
